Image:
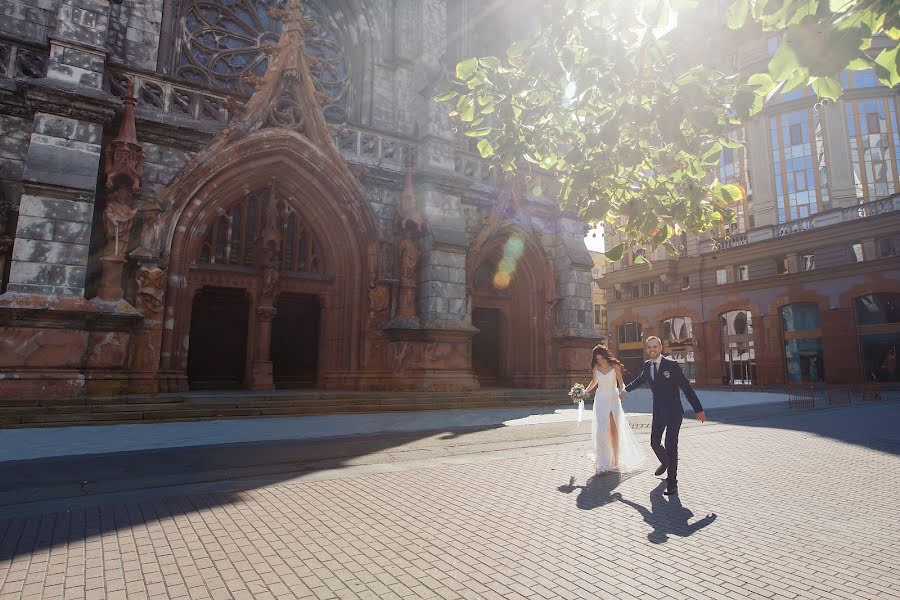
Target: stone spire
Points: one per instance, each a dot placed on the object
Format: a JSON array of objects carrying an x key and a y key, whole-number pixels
[
  {"x": 125, "y": 157},
  {"x": 286, "y": 96}
]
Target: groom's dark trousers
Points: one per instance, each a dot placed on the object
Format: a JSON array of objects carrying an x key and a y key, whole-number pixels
[{"x": 667, "y": 409}]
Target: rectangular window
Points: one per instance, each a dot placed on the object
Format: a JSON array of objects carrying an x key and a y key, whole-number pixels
[
  {"x": 598, "y": 315},
  {"x": 648, "y": 289},
  {"x": 856, "y": 253},
  {"x": 781, "y": 265},
  {"x": 685, "y": 282},
  {"x": 721, "y": 277},
  {"x": 743, "y": 273},
  {"x": 808, "y": 263},
  {"x": 886, "y": 248},
  {"x": 874, "y": 147},
  {"x": 734, "y": 168},
  {"x": 618, "y": 294},
  {"x": 798, "y": 158},
  {"x": 635, "y": 291},
  {"x": 630, "y": 333}
]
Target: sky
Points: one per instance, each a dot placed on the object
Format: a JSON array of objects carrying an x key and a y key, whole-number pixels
[{"x": 594, "y": 243}]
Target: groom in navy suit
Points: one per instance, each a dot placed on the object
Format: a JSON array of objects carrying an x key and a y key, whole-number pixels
[{"x": 666, "y": 379}]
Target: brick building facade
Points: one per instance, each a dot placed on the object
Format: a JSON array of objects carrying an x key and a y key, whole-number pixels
[
  {"x": 201, "y": 194},
  {"x": 805, "y": 285}
]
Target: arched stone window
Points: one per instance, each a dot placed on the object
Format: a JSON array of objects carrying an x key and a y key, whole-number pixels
[
  {"x": 678, "y": 343},
  {"x": 738, "y": 351},
  {"x": 222, "y": 44},
  {"x": 232, "y": 238}
]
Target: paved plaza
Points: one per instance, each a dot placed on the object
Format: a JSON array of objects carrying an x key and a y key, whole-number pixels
[{"x": 799, "y": 504}]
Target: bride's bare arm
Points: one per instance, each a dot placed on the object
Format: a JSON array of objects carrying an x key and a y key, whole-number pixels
[
  {"x": 620, "y": 383},
  {"x": 592, "y": 385}
]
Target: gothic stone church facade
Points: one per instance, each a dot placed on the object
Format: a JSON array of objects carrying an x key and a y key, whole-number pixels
[{"x": 262, "y": 194}]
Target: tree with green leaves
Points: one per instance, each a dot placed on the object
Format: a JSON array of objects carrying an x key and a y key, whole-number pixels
[{"x": 630, "y": 114}]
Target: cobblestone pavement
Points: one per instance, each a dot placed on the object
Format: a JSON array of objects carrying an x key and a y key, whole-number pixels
[{"x": 798, "y": 506}]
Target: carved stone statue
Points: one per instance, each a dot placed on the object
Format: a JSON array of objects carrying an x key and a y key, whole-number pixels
[
  {"x": 151, "y": 289},
  {"x": 379, "y": 303},
  {"x": 151, "y": 233},
  {"x": 118, "y": 219},
  {"x": 409, "y": 260}
]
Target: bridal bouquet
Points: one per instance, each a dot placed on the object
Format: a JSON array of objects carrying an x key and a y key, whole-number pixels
[
  {"x": 577, "y": 393},
  {"x": 577, "y": 396}
]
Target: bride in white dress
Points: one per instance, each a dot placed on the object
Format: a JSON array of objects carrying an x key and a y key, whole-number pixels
[{"x": 614, "y": 444}]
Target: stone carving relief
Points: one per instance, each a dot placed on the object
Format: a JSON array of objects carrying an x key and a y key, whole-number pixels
[
  {"x": 151, "y": 289},
  {"x": 150, "y": 238},
  {"x": 229, "y": 46}
]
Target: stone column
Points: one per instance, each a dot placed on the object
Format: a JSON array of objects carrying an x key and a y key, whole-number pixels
[
  {"x": 842, "y": 191},
  {"x": 52, "y": 236},
  {"x": 769, "y": 349},
  {"x": 763, "y": 173},
  {"x": 261, "y": 376},
  {"x": 840, "y": 346},
  {"x": 571, "y": 319}
]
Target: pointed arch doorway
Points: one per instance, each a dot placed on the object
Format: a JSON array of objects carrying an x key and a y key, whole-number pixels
[
  {"x": 510, "y": 289},
  {"x": 258, "y": 282}
]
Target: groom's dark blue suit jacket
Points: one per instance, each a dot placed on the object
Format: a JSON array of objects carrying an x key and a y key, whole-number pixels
[{"x": 666, "y": 397}]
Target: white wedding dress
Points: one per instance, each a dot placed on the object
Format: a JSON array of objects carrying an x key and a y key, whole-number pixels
[{"x": 606, "y": 403}]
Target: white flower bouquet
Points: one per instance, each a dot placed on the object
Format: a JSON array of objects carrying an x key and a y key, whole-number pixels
[{"x": 577, "y": 396}]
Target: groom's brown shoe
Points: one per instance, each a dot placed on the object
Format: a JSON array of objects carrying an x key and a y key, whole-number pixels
[{"x": 660, "y": 470}]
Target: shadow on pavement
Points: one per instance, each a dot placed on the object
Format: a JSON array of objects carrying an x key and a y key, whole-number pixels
[
  {"x": 69, "y": 484},
  {"x": 870, "y": 425},
  {"x": 667, "y": 516},
  {"x": 598, "y": 491}
]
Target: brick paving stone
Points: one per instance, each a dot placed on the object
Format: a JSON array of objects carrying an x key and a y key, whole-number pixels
[{"x": 802, "y": 509}]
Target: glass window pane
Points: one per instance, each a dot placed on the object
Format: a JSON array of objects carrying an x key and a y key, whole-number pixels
[
  {"x": 879, "y": 357},
  {"x": 800, "y": 316},
  {"x": 804, "y": 360},
  {"x": 876, "y": 309}
]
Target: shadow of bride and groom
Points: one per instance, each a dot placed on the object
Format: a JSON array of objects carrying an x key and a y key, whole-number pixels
[{"x": 666, "y": 515}]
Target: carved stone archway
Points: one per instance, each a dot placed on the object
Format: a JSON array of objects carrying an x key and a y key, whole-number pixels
[
  {"x": 280, "y": 166},
  {"x": 510, "y": 281}
]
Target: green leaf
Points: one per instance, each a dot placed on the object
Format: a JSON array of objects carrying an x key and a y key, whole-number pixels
[
  {"x": 465, "y": 69},
  {"x": 445, "y": 97},
  {"x": 861, "y": 63},
  {"x": 827, "y": 87},
  {"x": 784, "y": 63},
  {"x": 615, "y": 253},
  {"x": 490, "y": 62},
  {"x": 481, "y": 132},
  {"x": 889, "y": 61},
  {"x": 466, "y": 108},
  {"x": 737, "y": 13},
  {"x": 485, "y": 148}
]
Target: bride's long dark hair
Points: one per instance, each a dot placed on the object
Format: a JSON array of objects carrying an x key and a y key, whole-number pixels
[{"x": 601, "y": 350}]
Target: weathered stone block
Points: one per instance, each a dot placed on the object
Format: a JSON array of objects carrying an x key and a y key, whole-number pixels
[
  {"x": 31, "y": 347},
  {"x": 58, "y": 253},
  {"x": 56, "y": 209},
  {"x": 34, "y": 228},
  {"x": 73, "y": 233},
  {"x": 62, "y": 162}
]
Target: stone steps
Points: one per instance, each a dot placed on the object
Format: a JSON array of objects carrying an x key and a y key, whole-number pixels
[{"x": 206, "y": 406}]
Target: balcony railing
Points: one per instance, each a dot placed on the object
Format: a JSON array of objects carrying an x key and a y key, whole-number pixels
[
  {"x": 810, "y": 223},
  {"x": 171, "y": 97}
]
